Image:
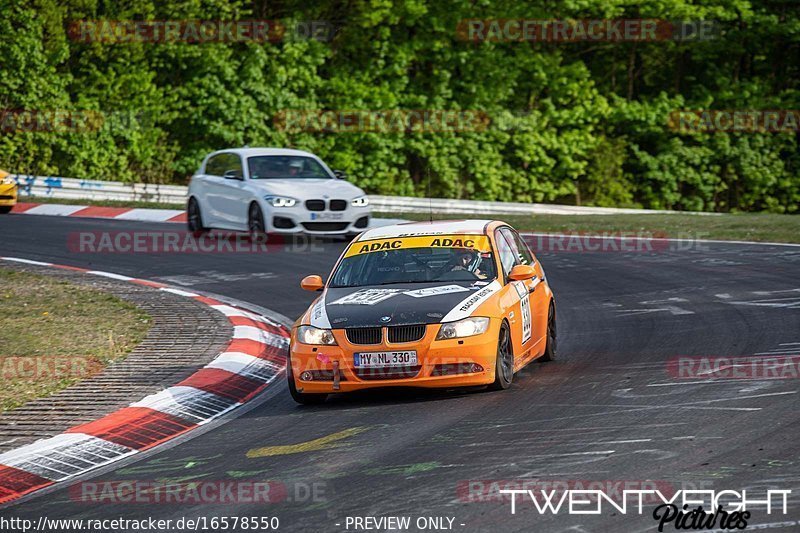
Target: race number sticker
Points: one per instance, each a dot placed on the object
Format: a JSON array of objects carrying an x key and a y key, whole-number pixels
[
  {"x": 525, "y": 306},
  {"x": 366, "y": 297},
  {"x": 434, "y": 291},
  {"x": 319, "y": 318}
]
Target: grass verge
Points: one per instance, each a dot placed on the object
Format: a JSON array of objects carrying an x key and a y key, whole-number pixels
[
  {"x": 55, "y": 333},
  {"x": 738, "y": 227}
]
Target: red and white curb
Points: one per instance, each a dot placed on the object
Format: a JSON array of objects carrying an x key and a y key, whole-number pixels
[
  {"x": 130, "y": 213},
  {"x": 87, "y": 211},
  {"x": 254, "y": 357}
]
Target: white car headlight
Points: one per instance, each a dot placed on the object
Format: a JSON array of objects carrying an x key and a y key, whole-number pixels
[
  {"x": 312, "y": 335},
  {"x": 280, "y": 201},
  {"x": 467, "y": 327},
  {"x": 361, "y": 201}
]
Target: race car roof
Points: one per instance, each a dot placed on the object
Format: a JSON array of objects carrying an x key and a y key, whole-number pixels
[
  {"x": 250, "y": 152},
  {"x": 437, "y": 227}
]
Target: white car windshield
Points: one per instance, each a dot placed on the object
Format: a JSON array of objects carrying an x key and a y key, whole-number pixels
[{"x": 266, "y": 167}]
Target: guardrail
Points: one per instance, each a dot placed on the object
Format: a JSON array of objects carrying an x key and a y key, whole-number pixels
[
  {"x": 406, "y": 204},
  {"x": 54, "y": 187},
  {"x": 70, "y": 188}
]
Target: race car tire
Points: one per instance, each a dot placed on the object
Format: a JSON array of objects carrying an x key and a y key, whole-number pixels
[
  {"x": 550, "y": 347},
  {"x": 194, "y": 218},
  {"x": 302, "y": 398},
  {"x": 504, "y": 367},
  {"x": 255, "y": 221},
  {"x": 4, "y": 209}
]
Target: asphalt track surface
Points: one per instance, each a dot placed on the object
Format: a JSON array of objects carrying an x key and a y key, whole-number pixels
[{"x": 606, "y": 410}]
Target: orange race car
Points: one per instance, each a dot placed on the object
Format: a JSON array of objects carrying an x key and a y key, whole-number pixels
[{"x": 424, "y": 304}]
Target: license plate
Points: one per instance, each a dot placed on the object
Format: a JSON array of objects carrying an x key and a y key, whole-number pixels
[
  {"x": 327, "y": 216},
  {"x": 385, "y": 359}
]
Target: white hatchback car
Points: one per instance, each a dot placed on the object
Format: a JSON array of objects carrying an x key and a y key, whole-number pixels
[{"x": 274, "y": 190}]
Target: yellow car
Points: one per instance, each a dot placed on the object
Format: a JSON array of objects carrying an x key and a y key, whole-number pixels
[
  {"x": 424, "y": 304},
  {"x": 8, "y": 193}
]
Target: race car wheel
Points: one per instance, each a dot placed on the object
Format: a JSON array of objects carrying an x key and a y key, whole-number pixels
[
  {"x": 5, "y": 209},
  {"x": 255, "y": 221},
  {"x": 303, "y": 398},
  {"x": 550, "y": 347},
  {"x": 194, "y": 219},
  {"x": 504, "y": 367}
]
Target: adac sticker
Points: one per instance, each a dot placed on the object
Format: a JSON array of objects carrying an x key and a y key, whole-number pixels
[{"x": 473, "y": 242}]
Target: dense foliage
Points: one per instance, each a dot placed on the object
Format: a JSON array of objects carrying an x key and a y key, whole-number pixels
[{"x": 571, "y": 122}]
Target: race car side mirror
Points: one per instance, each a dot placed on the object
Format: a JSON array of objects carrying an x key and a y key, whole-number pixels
[
  {"x": 522, "y": 272},
  {"x": 312, "y": 283}
]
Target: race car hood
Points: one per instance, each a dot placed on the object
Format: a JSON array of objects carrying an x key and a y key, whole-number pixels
[
  {"x": 402, "y": 304},
  {"x": 307, "y": 189}
]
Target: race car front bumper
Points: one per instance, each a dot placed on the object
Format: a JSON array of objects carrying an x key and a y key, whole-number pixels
[{"x": 463, "y": 362}]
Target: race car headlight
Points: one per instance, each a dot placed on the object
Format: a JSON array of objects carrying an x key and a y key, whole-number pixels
[
  {"x": 280, "y": 201},
  {"x": 466, "y": 327},
  {"x": 312, "y": 335},
  {"x": 361, "y": 201}
]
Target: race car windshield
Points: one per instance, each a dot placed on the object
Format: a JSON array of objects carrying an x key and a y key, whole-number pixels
[
  {"x": 265, "y": 167},
  {"x": 414, "y": 265}
]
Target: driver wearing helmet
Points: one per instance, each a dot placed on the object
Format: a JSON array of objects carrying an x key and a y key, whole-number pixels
[{"x": 467, "y": 260}]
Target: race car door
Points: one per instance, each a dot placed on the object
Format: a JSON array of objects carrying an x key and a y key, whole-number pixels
[
  {"x": 537, "y": 296},
  {"x": 233, "y": 193},
  {"x": 515, "y": 298},
  {"x": 523, "y": 331}
]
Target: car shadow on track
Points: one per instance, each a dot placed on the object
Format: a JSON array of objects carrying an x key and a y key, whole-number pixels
[
  {"x": 398, "y": 395},
  {"x": 377, "y": 397}
]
